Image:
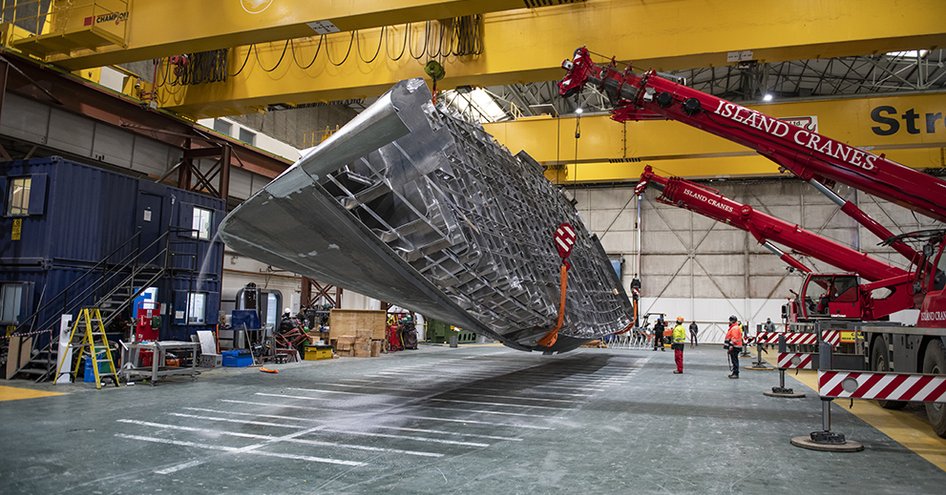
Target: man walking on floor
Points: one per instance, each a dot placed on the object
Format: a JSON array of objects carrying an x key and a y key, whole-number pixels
[
  {"x": 678, "y": 341},
  {"x": 733, "y": 345},
  {"x": 694, "y": 329}
]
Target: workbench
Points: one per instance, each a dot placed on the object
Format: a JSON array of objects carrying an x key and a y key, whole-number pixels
[{"x": 158, "y": 370}]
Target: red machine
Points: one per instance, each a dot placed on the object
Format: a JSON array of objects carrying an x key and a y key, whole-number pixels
[
  {"x": 809, "y": 155},
  {"x": 147, "y": 324},
  {"x": 837, "y": 294},
  {"x": 894, "y": 350}
]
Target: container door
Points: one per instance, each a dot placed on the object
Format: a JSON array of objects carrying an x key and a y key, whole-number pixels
[{"x": 151, "y": 222}]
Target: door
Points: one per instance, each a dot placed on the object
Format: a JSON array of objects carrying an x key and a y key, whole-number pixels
[{"x": 150, "y": 221}]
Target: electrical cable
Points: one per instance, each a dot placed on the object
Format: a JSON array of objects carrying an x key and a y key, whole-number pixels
[
  {"x": 278, "y": 62},
  {"x": 410, "y": 34},
  {"x": 315, "y": 55},
  {"x": 245, "y": 60},
  {"x": 407, "y": 28},
  {"x": 328, "y": 52},
  {"x": 376, "y": 52}
]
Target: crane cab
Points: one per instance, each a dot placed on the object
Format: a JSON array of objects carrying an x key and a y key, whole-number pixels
[
  {"x": 933, "y": 306},
  {"x": 830, "y": 295}
]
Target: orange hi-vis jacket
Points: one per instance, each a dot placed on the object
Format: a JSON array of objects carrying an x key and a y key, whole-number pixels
[{"x": 734, "y": 335}]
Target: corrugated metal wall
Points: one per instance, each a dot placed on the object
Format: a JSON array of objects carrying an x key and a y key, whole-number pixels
[{"x": 86, "y": 213}]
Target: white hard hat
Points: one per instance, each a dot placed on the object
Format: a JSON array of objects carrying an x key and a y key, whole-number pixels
[{"x": 288, "y": 310}]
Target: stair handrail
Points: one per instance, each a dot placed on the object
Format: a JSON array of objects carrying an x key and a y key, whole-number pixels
[{"x": 93, "y": 269}]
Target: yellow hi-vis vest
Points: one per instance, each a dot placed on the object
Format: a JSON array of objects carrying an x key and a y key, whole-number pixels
[{"x": 679, "y": 334}]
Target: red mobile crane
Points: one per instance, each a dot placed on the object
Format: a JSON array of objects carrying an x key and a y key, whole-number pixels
[{"x": 820, "y": 161}]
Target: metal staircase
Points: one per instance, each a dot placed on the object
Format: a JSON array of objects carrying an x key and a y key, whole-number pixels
[{"x": 111, "y": 285}]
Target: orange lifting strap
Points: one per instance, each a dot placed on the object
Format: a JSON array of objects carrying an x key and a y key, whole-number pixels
[{"x": 549, "y": 339}]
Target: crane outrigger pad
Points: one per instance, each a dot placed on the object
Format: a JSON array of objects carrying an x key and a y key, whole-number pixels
[{"x": 410, "y": 204}]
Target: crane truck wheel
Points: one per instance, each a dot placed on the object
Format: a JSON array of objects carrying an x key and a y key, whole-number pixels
[
  {"x": 934, "y": 362},
  {"x": 879, "y": 362}
]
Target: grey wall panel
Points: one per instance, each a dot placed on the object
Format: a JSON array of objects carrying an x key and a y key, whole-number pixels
[
  {"x": 113, "y": 145},
  {"x": 24, "y": 119},
  {"x": 150, "y": 157},
  {"x": 71, "y": 132}
]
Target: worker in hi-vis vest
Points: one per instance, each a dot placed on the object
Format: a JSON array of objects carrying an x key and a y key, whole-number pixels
[
  {"x": 679, "y": 338},
  {"x": 733, "y": 345}
]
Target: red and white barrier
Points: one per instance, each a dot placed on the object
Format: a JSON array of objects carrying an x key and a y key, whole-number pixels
[
  {"x": 882, "y": 386},
  {"x": 793, "y": 360},
  {"x": 832, "y": 337}
]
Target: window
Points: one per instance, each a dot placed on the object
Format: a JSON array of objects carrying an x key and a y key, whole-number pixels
[
  {"x": 223, "y": 127},
  {"x": 19, "y": 201},
  {"x": 247, "y": 136},
  {"x": 11, "y": 299},
  {"x": 196, "y": 308},
  {"x": 201, "y": 223}
]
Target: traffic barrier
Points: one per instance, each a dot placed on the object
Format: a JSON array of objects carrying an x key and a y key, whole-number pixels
[
  {"x": 794, "y": 360},
  {"x": 833, "y": 337},
  {"x": 907, "y": 387}
]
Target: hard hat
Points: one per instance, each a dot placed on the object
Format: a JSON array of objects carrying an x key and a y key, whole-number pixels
[
  {"x": 288, "y": 310},
  {"x": 680, "y": 319},
  {"x": 733, "y": 319}
]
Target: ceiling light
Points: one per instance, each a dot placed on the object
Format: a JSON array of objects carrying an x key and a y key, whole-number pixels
[
  {"x": 579, "y": 111},
  {"x": 767, "y": 97}
]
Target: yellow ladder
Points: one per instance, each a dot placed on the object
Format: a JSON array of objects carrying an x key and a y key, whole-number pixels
[{"x": 90, "y": 319}]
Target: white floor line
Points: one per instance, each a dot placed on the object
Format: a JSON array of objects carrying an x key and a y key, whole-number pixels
[
  {"x": 378, "y": 387},
  {"x": 289, "y": 440},
  {"x": 255, "y": 415},
  {"x": 500, "y": 413},
  {"x": 526, "y": 390},
  {"x": 240, "y": 421},
  {"x": 328, "y": 391},
  {"x": 476, "y": 422},
  {"x": 407, "y": 437},
  {"x": 264, "y": 394},
  {"x": 444, "y": 432},
  {"x": 543, "y": 399},
  {"x": 506, "y": 404},
  {"x": 288, "y": 406},
  {"x": 236, "y": 450}
]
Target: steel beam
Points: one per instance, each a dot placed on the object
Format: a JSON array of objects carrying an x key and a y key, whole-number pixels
[
  {"x": 528, "y": 46},
  {"x": 160, "y": 28}
]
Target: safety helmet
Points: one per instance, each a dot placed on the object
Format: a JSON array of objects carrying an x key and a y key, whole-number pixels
[
  {"x": 733, "y": 319},
  {"x": 288, "y": 310},
  {"x": 679, "y": 319}
]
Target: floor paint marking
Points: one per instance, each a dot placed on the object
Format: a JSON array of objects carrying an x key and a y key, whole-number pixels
[
  {"x": 288, "y": 406},
  {"x": 407, "y": 437},
  {"x": 288, "y": 440},
  {"x": 255, "y": 415},
  {"x": 443, "y": 432},
  {"x": 529, "y": 391},
  {"x": 506, "y": 404},
  {"x": 473, "y": 421},
  {"x": 235, "y": 450},
  {"x": 501, "y": 413},
  {"x": 569, "y": 401},
  {"x": 240, "y": 421}
]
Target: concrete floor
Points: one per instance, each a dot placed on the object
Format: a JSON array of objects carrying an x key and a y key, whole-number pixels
[{"x": 439, "y": 420}]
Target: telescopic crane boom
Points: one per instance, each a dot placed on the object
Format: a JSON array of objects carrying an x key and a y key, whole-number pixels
[
  {"x": 809, "y": 155},
  {"x": 767, "y": 229}
]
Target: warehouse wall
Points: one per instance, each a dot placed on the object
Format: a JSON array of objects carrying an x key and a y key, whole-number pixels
[{"x": 700, "y": 269}]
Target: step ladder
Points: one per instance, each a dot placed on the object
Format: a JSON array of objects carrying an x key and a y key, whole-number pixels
[{"x": 87, "y": 338}]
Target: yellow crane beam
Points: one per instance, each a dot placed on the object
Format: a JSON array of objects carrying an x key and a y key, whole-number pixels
[
  {"x": 160, "y": 28},
  {"x": 529, "y": 45},
  {"x": 910, "y": 129}
]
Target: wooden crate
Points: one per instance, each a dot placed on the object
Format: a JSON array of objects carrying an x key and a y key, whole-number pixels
[{"x": 366, "y": 323}]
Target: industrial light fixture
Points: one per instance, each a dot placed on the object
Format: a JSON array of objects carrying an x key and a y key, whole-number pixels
[
  {"x": 579, "y": 111},
  {"x": 767, "y": 97}
]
